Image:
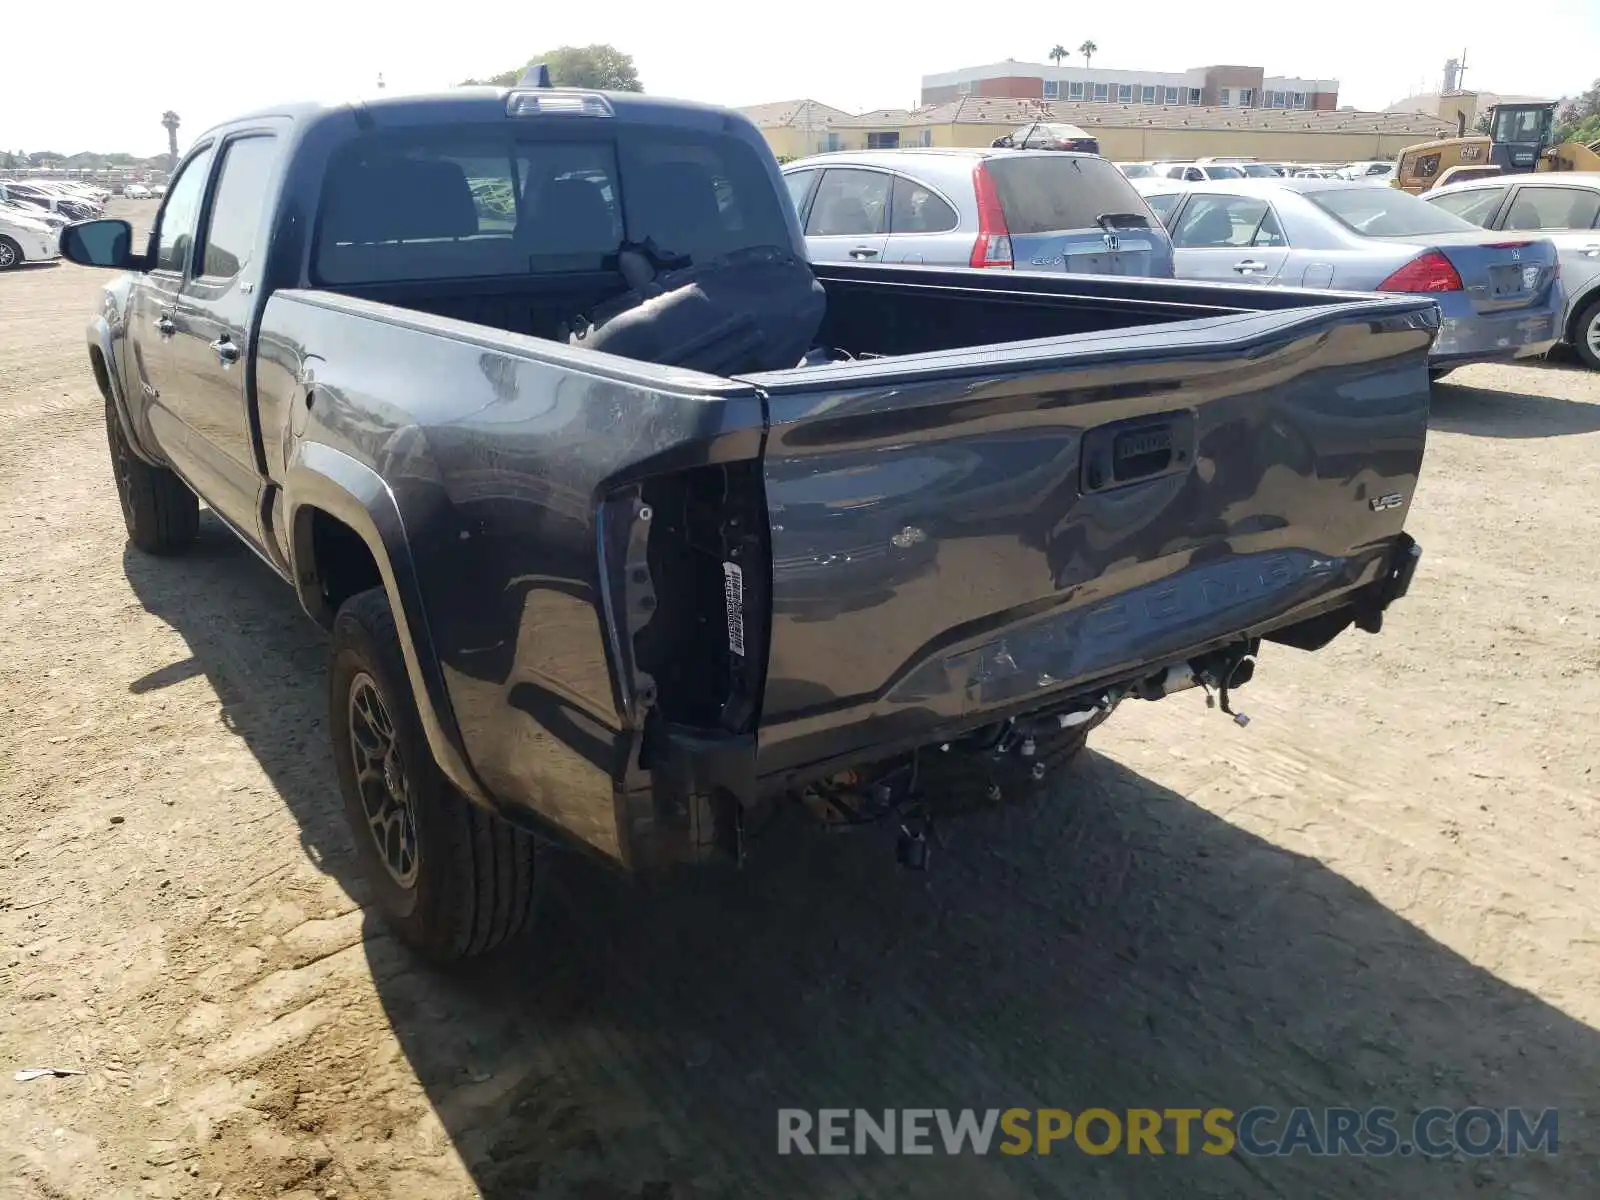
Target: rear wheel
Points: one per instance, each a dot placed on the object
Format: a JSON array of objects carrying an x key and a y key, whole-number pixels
[
  {"x": 160, "y": 512},
  {"x": 1586, "y": 335},
  {"x": 10, "y": 254},
  {"x": 451, "y": 879}
]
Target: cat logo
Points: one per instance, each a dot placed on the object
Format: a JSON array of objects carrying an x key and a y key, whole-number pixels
[{"x": 1381, "y": 503}]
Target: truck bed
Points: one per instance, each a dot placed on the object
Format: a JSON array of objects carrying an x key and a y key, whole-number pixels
[{"x": 1025, "y": 487}]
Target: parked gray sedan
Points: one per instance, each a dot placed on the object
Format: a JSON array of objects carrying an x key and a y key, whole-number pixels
[
  {"x": 1564, "y": 207},
  {"x": 1038, "y": 210},
  {"x": 1500, "y": 296}
]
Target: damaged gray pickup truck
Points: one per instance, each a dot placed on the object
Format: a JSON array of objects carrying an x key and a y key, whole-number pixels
[{"x": 614, "y": 556}]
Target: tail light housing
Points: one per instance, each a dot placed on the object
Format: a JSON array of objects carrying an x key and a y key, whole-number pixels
[
  {"x": 993, "y": 247},
  {"x": 1428, "y": 272}
]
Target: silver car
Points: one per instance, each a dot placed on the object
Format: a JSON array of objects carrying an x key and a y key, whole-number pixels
[
  {"x": 1564, "y": 207},
  {"x": 1039, "y": 210},
  {"x": 1499, "y": 297}
]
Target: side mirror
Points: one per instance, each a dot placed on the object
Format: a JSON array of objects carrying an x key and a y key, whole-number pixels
[{"x": 100, "y": 244}]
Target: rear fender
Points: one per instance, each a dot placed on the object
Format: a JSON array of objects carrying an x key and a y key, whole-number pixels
[
  {"x": 320, "y": 477},
  {"x": 108, "y": 375}
]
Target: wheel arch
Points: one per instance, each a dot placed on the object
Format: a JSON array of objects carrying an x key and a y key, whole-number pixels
[{"x": 334, "y": 503}]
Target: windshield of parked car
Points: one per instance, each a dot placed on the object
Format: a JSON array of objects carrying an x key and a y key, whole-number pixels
[
  {"x": 1046, "y": 193},
  {"x": 1223, "y": 171},
  {"x": 1260, "y": 171},
  {"x": 1137, "y": 171},
  {"x": 1385, "y": 212},
  {"x": 471, "y": 201}
]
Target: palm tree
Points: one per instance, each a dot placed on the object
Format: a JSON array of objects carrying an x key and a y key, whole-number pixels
[
  {"x": 169, "y": 122},
  {"x": 1088, "y": 50},
  {"x": 1057, "y": 53}
]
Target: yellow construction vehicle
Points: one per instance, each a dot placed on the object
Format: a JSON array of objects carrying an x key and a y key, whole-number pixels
[{"x": 1518, "y": 142}]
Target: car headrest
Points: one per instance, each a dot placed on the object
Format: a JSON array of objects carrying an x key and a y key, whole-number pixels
[
  {"x": 401, "y": 199},
  {"x": 683, "y": 213},
  {"x": 573, "y": 216}
]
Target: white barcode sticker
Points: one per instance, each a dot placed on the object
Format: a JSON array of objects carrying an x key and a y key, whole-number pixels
[{"x": 733, "y": 593}]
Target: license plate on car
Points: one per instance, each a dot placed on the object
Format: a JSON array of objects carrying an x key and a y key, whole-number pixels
[{"x": 1511, "y": 280}]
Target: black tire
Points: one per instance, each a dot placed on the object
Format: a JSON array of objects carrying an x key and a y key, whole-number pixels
[
  {"x": 10, "y": 254},
  {"x": 468, "y": 883},
  {"x": 1586, "y": 335},
  {"x": 160, "y": 512}
]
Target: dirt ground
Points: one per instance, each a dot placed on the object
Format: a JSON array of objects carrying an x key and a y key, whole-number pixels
[{"x": 1384, "y": 891}]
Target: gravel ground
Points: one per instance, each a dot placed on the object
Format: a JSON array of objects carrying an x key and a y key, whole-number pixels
[{"x": 1383, "y": 892}]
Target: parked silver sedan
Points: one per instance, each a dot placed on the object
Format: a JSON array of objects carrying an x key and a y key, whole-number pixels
[
  {"x": 1500, "y": 296},
  {"x": 1562, "y": 206}
]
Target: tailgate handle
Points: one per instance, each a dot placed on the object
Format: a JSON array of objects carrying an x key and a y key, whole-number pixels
[{"x": 1138, "y": 449}]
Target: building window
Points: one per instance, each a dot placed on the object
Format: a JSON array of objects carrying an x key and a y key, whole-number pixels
[
  {"x": 964, "y": 87},
  {"x": 1052, "y": 89},
  {"x": 925, "y": 137},
  {"x": 1194, "y": 96},
  {"x": 1125, "y": 93},
  {"x": 1075, "y": 91},
  {"x": 1102, "y": 91},
  {"x": 833, "y": 143},
  {"x": 883, "y": 141},
  {"x": 1279, "y": 99},
  {"x": 1148, "y": 94},
  {"x": 1247, "y": 97},
  {"x": 1226, "y": 96},
  {"x": 1172, "y": 95},
  {"x": 1299, "y": 100}
]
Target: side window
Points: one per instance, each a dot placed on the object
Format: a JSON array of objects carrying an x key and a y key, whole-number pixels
[
  {"x": 180, "y": 215},
  {"x": 800, "y": 184},
  {"x": 236, "y": 204},
  {"x": 1478, "y": 206},
  {"x": 850, "y": 203},
  {"x": 1163, "y": 206},
  {"x": 1195, "y": 175},
  {"x": 915, "y": 208},
  {"x": 1269, "y": 232},
  {"x": 1219, "y": 222},
  {"x": 1553, "y": 208}
]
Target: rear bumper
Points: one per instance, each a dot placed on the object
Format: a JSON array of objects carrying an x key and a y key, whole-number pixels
[
  {"x": 688, "y": 814},
  {"x": 1494, "y": 337}
]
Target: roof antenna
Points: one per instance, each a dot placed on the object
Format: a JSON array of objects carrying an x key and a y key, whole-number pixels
[{"x": 536, "y": 75}]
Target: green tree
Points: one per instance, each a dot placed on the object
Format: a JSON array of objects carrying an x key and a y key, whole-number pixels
[
  {"x": 1579, "y": 121},
  {"x": 1057, "y": 53},
  {"x": 602, "y": 67},
  {"x": 1481, "y": 125},
  {"x": 1088, "y": 50}
]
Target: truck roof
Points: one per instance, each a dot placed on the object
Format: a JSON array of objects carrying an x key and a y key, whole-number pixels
[{"x": 475, "y": 103}]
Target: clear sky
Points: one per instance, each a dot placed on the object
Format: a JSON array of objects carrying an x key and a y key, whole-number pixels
[{"x": 120, "y": 66}]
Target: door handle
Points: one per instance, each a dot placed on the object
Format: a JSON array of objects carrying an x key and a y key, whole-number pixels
[
  {"x": 227, "y": 352},
  {"x": 863, "y": 252},
  {"x": 164, "y": 326},
  {"x": 1248, "y": 265}
]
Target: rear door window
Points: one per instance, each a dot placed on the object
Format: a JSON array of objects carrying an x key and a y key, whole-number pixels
[
  {"x": 242, "y": 189},
  {"x": 1216, "y": 222},
  {"x": 800, "y": 184},
  {"x": 850, "y": 203},
  {"x": 1478, "y": 206},
  {"x": 1047, "y": 193},
  {"x": 1163, "y": 205},
  {"x": 916, "y": 208}
]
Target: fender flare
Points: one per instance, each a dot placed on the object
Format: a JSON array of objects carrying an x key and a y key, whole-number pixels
[
  {"x": 320, "y": 477},
  {"x": 100, "y": 340}
]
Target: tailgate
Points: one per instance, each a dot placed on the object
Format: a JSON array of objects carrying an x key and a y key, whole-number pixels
[{"x": 957, "y": 532}]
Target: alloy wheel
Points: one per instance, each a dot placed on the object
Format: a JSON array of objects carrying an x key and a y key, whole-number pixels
[{"x": 382, "y": 780}]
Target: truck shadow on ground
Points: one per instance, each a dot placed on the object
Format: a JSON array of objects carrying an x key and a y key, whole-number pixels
[
  {"x": 1458, "y": 407},
  {"x": 1106, "y": 943}
]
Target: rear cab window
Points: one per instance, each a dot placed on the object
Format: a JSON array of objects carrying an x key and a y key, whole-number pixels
[
  {"x": 1048, "y": 193},
  {"x": 475, "y": 201}
]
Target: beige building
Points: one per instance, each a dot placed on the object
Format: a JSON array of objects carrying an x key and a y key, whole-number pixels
[{"x": 1127, "y": 132}]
